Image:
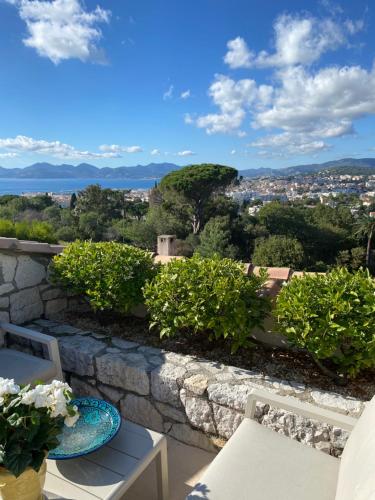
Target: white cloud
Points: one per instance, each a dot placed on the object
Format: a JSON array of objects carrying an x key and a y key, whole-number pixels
[
  {"x": 8, "y": 155},
  {"x": 155, "y": 152},
  {"x": 233, "y": 99},
  {"x": 221, "y": 122},
  {"x": 63, "y": 29},
  {"x": 233, "y": 152},
  {"x": 116, "y": 148},
  {"x": 187, "y": 152},
  {"x": 168, "y": 94},
  {"x": 24, "y": 144},
  {"x": 305, "y": 106},
  {"x": 297, "y": 40},
  {"x": 323, "y": 104},
  {"x": 186, "y": 94},
  {"x": 238, "y": 55},
  {"x": 354, "y": 26},
  {"x": 311, "y": 107},
  {"x": 301, "y": 41},
  {"x": 332, "y": 8},
  {"x": 291, "y": 143}
]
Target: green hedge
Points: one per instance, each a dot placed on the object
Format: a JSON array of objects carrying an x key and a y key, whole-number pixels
[
  {"x": 35, "y": 230},
  {"x": 206, "y": 295},
  {"x": 110, "y": 274},
  {"x": 332, "y": 316}
]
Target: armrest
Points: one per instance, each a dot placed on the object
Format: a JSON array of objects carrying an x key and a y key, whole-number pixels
[
  {"x": 50, "y": 342},
  {"x": 304, "y": 409}
]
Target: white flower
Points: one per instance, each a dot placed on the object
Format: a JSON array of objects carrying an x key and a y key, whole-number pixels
[
  {"x": 55, "y": 397},
  {"x": 52, "y": 396},
  {"x": 59, "y": 409},
  {"x": 40, "y": 397},
  {"x": 7, "y": 386},
  {"x": 70, "y": 421}
]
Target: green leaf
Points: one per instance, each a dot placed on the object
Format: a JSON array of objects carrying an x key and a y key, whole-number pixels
[{"x": 16, "y": 460}]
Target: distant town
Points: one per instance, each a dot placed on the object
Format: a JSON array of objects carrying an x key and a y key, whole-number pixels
[{"x": 323, "y": 187}]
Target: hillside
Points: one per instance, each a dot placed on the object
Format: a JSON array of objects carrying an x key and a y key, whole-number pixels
[
  {"x": 87, "y": 171},
  {"x": 353, "y": 166}
]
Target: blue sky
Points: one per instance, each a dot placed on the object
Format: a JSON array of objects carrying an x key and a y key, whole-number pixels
[{"x": 246, "y": 83}]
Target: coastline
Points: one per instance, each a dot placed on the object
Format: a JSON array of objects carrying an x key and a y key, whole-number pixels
[{"x": 67, "y": 186}]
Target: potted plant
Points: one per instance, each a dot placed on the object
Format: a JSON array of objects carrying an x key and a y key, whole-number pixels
[{"x": 31, "y": 419}]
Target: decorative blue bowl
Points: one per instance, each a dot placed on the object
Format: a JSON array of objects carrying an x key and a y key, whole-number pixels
[{"x": 99, "y": 422}]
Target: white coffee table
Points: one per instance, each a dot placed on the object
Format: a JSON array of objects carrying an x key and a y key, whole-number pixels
[{"x": 109, "y": 472}]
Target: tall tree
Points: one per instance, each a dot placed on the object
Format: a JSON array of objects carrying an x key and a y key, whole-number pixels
[
  {"x": 216, "y": 239},
  {"x": 107, "y": 203},
  {"x": 187, "y": 191},
  {"x": 366, "y": 227},
  {"x": 73, "y": 201}
]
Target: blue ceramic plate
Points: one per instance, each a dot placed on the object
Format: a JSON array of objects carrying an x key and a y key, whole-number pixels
[{"x": 98, "y": 424}]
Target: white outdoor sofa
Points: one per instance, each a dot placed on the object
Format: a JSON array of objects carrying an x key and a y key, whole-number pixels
[
  {"x": 25, "y": 368},
  {"x": 257, "y": 463}
]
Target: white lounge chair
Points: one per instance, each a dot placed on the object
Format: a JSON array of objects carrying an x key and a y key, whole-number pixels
[
  {"x": 257, "y": 463},
  {"x": 25, "y": 368}
]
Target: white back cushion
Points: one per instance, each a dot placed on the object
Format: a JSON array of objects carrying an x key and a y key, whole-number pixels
[{"x": 357, "y": 470}]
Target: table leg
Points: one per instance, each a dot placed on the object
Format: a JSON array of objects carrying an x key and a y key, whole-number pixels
[{"x": 162, "y": 472}]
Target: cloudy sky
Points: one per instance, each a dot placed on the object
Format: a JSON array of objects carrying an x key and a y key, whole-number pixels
[{"x": 247, "y": 83}]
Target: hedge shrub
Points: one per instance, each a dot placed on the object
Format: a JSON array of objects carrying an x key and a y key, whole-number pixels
[
  {"x": 24, "y": 230},
  {"x": 206, "y": 295},
  {"x": 111, "y": 275},
  {"x": 332, "y": 316}
]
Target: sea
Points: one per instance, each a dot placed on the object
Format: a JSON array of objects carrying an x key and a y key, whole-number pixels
[{"x": 68, "y": 186}]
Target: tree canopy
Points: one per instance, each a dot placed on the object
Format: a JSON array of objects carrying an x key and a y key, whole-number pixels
[
  {"x": 216, "y": 239},
  {"x": 366, "y": 227},
  {"x": 279, "y": 251},
  {"x": 190, "y": 189}
]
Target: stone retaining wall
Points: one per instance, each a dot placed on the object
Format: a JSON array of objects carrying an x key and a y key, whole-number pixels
[
  {"x": 196, "y": 401},
  {"x": 25, "y": 292}
]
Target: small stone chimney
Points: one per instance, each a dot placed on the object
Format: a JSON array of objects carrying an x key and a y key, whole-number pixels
[{"x": 167, "y": 244}]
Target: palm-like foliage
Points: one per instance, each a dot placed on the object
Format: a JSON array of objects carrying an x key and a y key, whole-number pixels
[{"x": 366, "y": 227}]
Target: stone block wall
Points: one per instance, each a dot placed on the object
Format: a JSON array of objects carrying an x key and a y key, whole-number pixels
[
  {"x": 196, "y": 401},
  {"x": 25, "y": 292}
]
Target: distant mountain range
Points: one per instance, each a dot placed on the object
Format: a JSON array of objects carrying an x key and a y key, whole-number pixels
[
  {"x": 346, "y": 165},
  {"x": 87, "y": 171},
  {"x": 158, "y": 170}
]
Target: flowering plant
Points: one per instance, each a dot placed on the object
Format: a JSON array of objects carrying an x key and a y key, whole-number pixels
[{"x": 31, "y": 420}]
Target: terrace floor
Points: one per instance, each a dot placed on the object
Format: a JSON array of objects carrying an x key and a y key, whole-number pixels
[{"x": 186, "y": 465}]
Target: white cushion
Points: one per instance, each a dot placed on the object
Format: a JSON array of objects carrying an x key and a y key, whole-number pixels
[
  {"x": 259, "y": 464},
  {"x": 25, "y": 368},
  {"x": 357, "y": 471}
]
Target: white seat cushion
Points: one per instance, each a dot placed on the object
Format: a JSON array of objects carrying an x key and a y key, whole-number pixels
[
  {"x": 357, "y": 471},
  {"x": 259, "y": 464},
  {"x": 25, "y": 368}
]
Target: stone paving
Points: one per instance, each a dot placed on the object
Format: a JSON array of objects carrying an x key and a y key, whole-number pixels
[{"x": 196, "y": 401}]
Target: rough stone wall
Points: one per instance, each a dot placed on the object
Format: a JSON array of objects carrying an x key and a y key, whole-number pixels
[
  {"x": 25, "y": 292},
  {"x": 196, "y": 401}
]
